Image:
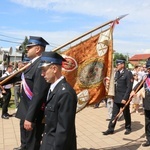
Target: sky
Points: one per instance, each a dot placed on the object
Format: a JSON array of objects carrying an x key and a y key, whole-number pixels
[{"x": 59, "y": 21}]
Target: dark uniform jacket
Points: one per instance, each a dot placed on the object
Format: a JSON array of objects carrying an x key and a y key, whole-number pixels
[
  {"x": 60, "y": 119},
  {"x": 146, "y": 101},
  {"x": 123, "y": 86},
  {"x": 30, "y": 109}
]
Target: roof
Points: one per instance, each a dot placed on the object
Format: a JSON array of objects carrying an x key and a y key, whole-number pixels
[
  {"x": 134, "y": 63},
  {"x": 139, "y": 57}
]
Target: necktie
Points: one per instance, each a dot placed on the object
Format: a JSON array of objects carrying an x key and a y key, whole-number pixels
[
  {"x": 118, "y": 73},
  {"x": 48, "y": 95}
]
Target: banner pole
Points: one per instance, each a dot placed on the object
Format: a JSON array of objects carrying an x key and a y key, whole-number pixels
[{"x": 117, "y": 19}]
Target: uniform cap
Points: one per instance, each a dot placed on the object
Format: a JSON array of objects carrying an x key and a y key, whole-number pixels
[
  {"x": 34, "y": 40},
  {"x": 120, "y": 61},
  {"x": 49, "y": 58},
  {"x": 148, "y": 63}
]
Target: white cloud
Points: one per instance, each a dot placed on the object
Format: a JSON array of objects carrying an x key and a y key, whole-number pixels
[
  {"x": 130, "y": 36},
  {"x": 94, "y": 7},
  {"x": 54, "y": 38}
]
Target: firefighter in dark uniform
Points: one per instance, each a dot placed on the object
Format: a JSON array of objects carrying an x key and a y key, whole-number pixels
[
  {"x": 146, "y": 102},
  {"x": 60, "y": 107},
  {"x": 123, "y": 87},
  {"x": 33, "y": 96}
]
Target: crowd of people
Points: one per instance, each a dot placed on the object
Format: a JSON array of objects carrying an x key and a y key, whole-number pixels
[
  {"x": 129, "y": 97},
  {"x": 6, "y": 90},
  {"x": 46, "y": 103}
]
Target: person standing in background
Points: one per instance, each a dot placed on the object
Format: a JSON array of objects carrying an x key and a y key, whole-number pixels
[
  {"x": 7, "y": 94},
  {"x": 136, "y": 99},
  {"x": 2, "y": 68},
  {"x": 109, "y": 107},
  {"x": 146, "y": 102},
  {"x": 17, "y": 86},
  {"x": 123, "y": 87}
]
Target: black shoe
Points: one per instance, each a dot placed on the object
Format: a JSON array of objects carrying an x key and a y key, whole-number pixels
[
  {"x": 147, "y": 143},
  {"x": 128, "y": 131},
  {"x": 108, "y": 119},
  {"x": 108, "y": 132},
  {"x": 96, "y": 107},
  {"x": 8, "y": 115},
  {"x": 5, "y": 116},
  {"x": 18, "y": 148}
]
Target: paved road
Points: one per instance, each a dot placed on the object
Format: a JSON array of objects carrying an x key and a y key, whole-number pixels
[{"x": 89, "y": 124}]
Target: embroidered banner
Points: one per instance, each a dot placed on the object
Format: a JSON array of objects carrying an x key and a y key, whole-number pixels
[{"x": 88, "y": 65}]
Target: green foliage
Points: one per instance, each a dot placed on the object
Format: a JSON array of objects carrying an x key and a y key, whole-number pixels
[
  {"x": 120, "y": 56},
  {"x": 23, "y": 45}
]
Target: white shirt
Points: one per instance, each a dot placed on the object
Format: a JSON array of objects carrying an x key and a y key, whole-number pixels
[
  {"x": 34, "y": 59},
  {"x": 53, "y": 85},
  {"x": 8, "y": 86}
]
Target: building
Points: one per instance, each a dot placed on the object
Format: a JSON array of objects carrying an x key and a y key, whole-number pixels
[
  {"x": 138, "y": 59},
  {"x": 7, "y": 53}
]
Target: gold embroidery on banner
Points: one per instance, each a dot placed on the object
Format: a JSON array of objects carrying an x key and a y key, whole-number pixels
[{"x": 91, "y": 73}]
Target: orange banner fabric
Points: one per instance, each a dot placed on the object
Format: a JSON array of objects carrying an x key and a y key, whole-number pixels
[{"x": 89, "y": 66}]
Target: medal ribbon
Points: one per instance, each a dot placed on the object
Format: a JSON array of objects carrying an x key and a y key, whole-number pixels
[
  {"x": 26, "y": 88},
  {"x": 148, "y": 83}
]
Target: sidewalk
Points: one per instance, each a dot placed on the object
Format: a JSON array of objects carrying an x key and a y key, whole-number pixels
[{"x": 89, "y": 124}]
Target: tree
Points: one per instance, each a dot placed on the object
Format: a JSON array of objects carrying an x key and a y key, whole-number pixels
[
  {"x": 23, "y": 45},
  {"x": 120, "y": 56}
]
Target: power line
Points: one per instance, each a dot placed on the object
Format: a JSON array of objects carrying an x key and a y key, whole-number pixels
[
  {"x": 9, "y": 41},
  {"x": 10, "y": 37},
  {"x": 51, "y": 44}
]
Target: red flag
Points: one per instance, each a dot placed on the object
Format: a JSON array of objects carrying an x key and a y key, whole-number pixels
[{"x": 89, "y": 67}]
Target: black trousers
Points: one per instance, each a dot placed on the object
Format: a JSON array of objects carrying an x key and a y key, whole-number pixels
[
  {"x": 147, "y": 124},
  {"x": 31, "y": 140},
  {"x": 17, "y": 95},
  {"x": 6, "y": 100},
  {"x": 126, "y": 113}
]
